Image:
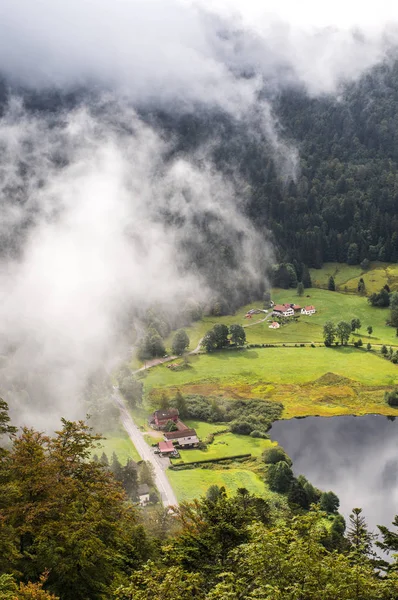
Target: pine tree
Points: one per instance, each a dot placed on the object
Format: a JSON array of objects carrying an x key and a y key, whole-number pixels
[{"x": 358, "y": 533}]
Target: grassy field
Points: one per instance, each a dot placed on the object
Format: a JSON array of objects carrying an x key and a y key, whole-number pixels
[
  {"x": 227, "y": 444},
  {"x": 330, "y": 306},
  {"x": 308, "y": 381},
  {"x": 118, "y": 441},
  {"x": 193, "y": 483},
  {"x": 346, "y": 277}
]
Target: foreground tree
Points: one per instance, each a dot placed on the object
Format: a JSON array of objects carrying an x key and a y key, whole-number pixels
[{"x": 66, "y": 514}]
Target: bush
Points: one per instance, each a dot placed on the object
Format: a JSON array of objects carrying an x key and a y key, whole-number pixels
[
  {"x": 275, "y": 454},
  {"x": 391, "y": 398},
  {"x": 241, "y": 427},
  {"x": 256, "y": 433}
]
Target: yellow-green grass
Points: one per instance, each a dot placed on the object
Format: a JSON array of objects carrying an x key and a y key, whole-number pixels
[
  {"x": 193, "y": 483},
  {"x": 118, "y": 441},
  {"x": 202, "y": 428},
  {"x": 308, "y": 381},
  {"x": 347, "y": 276},
  {"x": 330, "y": 306},
  {"x": 227, "y": 444}
]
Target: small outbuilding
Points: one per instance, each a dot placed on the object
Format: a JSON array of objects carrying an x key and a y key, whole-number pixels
[
  {"x": 166, "y": 448},
  {"x": 274, "y": 325},
  {"x": 143, "y": 494}
]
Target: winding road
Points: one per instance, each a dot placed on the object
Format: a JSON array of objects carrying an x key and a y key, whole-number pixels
[{"x": 162, "y": 483}]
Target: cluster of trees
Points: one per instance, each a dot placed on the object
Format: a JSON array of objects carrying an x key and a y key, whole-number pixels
[
  {"x": 340, "y": 332},
  {"x": 245, "y": 416},
  {"x": 291, "y": 275},
  {"x": 389, "y": 354},
  {"x": 217, "y": 337},
  {"x": 299, "y": 491},
  {"x": 130, "y": 475},
  {"x": 68, "y": 531}
]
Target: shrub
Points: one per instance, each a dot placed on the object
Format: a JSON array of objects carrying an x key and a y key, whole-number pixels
[
  {"x": 275, "y": 454},
  {"x": 256, "y": 433},
  {"x": 391, "y": 398}
]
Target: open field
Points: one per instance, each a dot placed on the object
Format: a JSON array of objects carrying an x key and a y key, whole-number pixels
[
  {"x": 118, "y": 441},
  {"x": 308, "y": 381},
  {"x": 193, "y": 483},
  {"x": 226, "y": 444},
  {"x": 347, "y": 276},
  {"x": 330, "y": 306}
]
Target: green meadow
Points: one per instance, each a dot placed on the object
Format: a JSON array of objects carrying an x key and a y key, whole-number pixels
[
  {"x": 330, "y": 306},
  {"x": 119, "y": 442},
  {"x": 346, "y": 277},
  {"x": 193, "y": 483},
  {"x": 308, "y": 381},
  {"x": 226, "y": 444}
]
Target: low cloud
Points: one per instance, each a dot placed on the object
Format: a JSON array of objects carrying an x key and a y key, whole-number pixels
[{"x": 85, "y": 201}]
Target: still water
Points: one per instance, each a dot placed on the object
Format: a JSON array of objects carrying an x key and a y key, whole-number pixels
[{"x": 356, "y": 457}]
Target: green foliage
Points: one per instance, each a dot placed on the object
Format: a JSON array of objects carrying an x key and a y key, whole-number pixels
[
  {"x": 279, "y": 477},
  {"x": 391, "y": 398},
  {"x": 343, "y": 331},
  {"x": 151, "y": 346},
  {"x": 300, "y": 288},
  {"x": 329, "y": 502},
  {"x": 284, "y": 276},
  {"x": 216, "y": 338},
  {"x": 180, "y": 342},
  {"x": 355, "y": 324},
  {"x": 276, "y": 454},
  {"x": 369, "y": 329},
  {"x": 238, "y": 335},
  {"x": 66, "y": 514},
  {"x": 131, "y": 389},
  {"x": 381, "y": 299},
  {"x": 331, "y": 284},
  {"x": 244, "y": 415},
  {"x": 329, "y": 333},
  {"x": 181, "y": 405},
  {"x": 170, "y": 426},
  {"x": 361, "y": 287}
]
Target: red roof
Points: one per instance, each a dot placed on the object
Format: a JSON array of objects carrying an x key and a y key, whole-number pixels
[
  {"x": 166, "y": 446},
  {"x": 280, "y": 307},
  {"x": 310, "y": 308},
  {"x": 296, "y": 307}
]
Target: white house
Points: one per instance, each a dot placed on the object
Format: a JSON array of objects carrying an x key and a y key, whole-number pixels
[
  {"x": 184, "y": 437},
  {"x": 308, "y": 310},
  {"x": 284, "y": 310},
  {"x": 274, "y": 325}
]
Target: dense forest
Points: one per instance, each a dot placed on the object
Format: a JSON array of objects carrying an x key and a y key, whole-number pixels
[{"x": 69, "y": 531}]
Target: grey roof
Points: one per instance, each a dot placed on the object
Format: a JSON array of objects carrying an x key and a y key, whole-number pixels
[{"x": 143, "y": 489}]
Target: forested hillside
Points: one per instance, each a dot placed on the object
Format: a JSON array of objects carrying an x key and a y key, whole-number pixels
[{"x": 343, "y": 203}]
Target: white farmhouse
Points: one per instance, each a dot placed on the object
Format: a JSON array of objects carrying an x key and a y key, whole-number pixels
[{"x": 308, "y": 310}]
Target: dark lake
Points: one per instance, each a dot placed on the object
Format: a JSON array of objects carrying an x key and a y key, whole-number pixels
[{"x": 356, "y": 457}]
